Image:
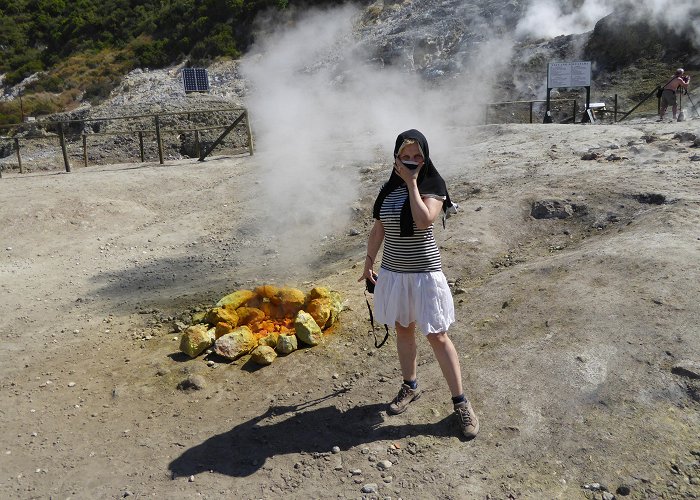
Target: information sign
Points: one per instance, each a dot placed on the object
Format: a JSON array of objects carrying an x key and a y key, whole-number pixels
[{"x": 569, "y": 74}]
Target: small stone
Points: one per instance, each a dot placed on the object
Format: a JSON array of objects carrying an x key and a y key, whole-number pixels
[
  {"x": 370, "y": 488},
  {"x": 356, "y": 472},
  {"x": 384, "y": 464},
  {"x": 191, "y": 479},
  {"x": 608, "y": 496},
  {"x": 127, "y": 493},
  {"x": 195, "y": 382},
  {"x": 335, "y": 449},
  {"x": 71, "y": 384},
  {"x": 623, "y": 490}
]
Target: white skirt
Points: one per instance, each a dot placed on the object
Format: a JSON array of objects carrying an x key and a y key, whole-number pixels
[{"x": 407, "y": 297}]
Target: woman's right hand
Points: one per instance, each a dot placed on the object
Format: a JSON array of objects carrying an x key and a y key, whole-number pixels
[{"x": 368, "y": 273}]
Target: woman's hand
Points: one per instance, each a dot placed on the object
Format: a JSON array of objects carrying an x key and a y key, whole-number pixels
[
  {"x": 376, "y": 236},
  {"x": 407, "y": 174},
  {"x": 368, "y": 273}
]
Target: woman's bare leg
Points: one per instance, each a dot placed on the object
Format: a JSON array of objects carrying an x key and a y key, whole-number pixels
[
  {"x": 447, "y": 358},
  {"x": 408, "y": 353}
]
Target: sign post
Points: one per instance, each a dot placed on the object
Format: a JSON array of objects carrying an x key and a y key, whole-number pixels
[{"x": 568, "y": 74}]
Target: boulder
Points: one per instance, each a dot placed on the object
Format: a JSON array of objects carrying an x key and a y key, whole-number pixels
[
  {"x": 320, "y": 310},
  {"x": 267, "y": 291},
  {"x": 290, "y": 299},
  {"x": 306, "y": 329},
  {"x": 199, "y": 317},
  {"x": 222, "y": 315},
  {"x": 222, "y": 329},
  {"x": 263, "y": 355},
  {"x": 196, "y": 340},
  {"x": 318, "y": 292},
  {"x": 235, "y": 344},
  {"x": 286, "y": 344},
  {"x": 336, "y": 309},
  {"x": 271, "y": 310},
  {"x": 236, "y": 299},
  {"x": 269, "y": 340},
  {"x": 249, "y": 315}
]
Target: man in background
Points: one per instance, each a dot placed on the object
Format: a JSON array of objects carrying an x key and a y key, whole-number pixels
[{"x": 668, "y": 96}]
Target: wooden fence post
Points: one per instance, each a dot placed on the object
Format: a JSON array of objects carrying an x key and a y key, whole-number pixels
[
  {"x": 250, "y": 133},
  {"x": 531, "y": 105},
  {"x": 141, "y": 145},
  {"x": 85, "y": 156},
  {"x": 615, "y": 110},
  {"x": 160, "y": 143},
  {"x": 62, "y": 138},
  {"x": 19, "y": 156},
  {"x": 197, "y": 150},
  {"x": 575, "y": 111}
]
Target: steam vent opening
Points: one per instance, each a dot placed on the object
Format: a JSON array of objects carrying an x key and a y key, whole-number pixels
[{"x": 265, "y": 322}]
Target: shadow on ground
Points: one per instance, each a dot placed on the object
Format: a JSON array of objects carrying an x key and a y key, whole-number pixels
[{"x": 288, "y": 429}]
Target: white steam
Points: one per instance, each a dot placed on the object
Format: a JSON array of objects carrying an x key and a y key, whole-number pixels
[
  {"x": 320, "y": 112},
  {"x": 549, "y": 18}
]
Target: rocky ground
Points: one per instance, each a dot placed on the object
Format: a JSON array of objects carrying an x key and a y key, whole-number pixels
[{"x": 573, "y": 266}]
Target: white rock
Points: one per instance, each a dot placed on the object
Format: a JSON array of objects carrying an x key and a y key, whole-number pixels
[{"x": 384, "y": 464}]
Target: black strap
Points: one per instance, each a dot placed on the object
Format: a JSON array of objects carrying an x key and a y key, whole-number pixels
[{"x": 371, "y": 320}]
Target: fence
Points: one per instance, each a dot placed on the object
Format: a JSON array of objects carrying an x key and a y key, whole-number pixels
[
  {"x": 524, "y": 111},
  {"x": 599, "y": 110},
  {"x": 201, "y": 148}
]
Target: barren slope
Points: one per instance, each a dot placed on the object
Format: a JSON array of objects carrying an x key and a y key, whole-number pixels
[{"x": 578, "y": 336}]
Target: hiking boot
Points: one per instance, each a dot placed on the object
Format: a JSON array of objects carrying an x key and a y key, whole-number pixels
[
  {"x": 466, "y": 417},
  {"x": 405, "y": 396}
]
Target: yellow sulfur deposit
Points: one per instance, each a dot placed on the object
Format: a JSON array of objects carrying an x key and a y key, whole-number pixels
[{"x": 267, "y": 318}]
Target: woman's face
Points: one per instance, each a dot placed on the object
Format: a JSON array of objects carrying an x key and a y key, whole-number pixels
[{"x": 412, "y": 153}]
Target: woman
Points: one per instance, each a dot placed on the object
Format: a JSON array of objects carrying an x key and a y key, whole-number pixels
[{"x": 411, "y": 290}]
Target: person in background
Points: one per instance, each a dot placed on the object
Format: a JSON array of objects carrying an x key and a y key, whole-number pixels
[
  {"x": 411, "y": 291},
  {"x": 668, "y": 95}
]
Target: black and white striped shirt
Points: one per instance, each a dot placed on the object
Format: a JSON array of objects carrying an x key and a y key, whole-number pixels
[{"x": 410, "y": 254}]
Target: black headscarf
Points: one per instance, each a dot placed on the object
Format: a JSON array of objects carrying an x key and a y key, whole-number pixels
[{"x": 429, "y": 183}]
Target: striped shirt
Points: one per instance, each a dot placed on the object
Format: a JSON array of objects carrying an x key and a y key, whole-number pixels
[{"x": 410, "y": 254}]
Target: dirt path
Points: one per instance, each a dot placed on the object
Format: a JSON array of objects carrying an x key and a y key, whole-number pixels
[{"x": 578, "y": 336}]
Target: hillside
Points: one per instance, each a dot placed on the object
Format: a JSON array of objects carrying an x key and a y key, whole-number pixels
[{"x": 60, "y": 57}]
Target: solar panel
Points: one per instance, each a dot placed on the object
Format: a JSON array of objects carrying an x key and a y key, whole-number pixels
[{"x": 195, "y": 79}]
